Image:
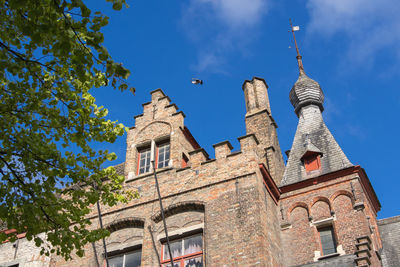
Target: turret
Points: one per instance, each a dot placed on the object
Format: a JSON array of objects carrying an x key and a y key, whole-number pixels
[{"x": 259, "y": 121}]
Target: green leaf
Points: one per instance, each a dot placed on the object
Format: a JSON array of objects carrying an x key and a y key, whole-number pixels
[{"x": 50, "y": 62}]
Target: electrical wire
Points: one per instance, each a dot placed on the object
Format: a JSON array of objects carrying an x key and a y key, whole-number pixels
[{"x": 162, "y": 214}]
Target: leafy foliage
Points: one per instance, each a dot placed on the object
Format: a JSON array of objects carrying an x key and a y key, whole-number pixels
[{"x": 51, "y": 55}]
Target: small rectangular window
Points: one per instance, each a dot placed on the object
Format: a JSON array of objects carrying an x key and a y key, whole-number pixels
[
  {"x": 312, "y": 163},
  {"x": 187, "y": 252},
  {"x": 327, "y": 240},
  {"x": 163, "y": 155},
  {"x": 144, "y": 160},
  {"x": 130, "y": 259},
  {"x": 185, "y": 160}
]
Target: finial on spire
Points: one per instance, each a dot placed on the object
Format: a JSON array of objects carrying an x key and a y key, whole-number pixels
[{"x": 299, "y": 61}]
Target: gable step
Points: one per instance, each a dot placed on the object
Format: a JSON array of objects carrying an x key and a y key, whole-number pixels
[
  {"x": 360, "y": 259},
  {"x": 361, "y": 251},
  {"x": 367, "y": 244}
]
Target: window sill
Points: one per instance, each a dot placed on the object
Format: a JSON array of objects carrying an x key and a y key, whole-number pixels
[
  {"x": 147, "y": 174},
  {"x": 328, "y": 256}
]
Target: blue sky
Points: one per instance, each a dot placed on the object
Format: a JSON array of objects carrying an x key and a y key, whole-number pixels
[{"x": 348, "y": 46}]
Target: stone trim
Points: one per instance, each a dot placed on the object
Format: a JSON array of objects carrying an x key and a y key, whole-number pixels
[
  {"x": 182, "y": 169},
  {"x": 179, "y": 112},
  {"x": 252, "y": 80},
  {"x": 117, "y": 249},
  {"x": 182, "y": 231},
  {"x": 223, "y": 143},
  {"x": 202, "y": 150},
  {"x": 259, "y": 112},
  {"x": 164, "y": 97},
  {"x": 323, "y": 222},
  {"x": 147, "y": 103},
  {"x": 137, "y": 116},
  {"x": 179, "y": 208},
  {"x": 130, "y": 222},
  {"x": 248, "y": 135},
  {"x": 208, "y": 161},
  {"x": 157, "y": 90},
  {"x": 147, "y": 174},
  {"x": 172, "y": 105},
  {"x": 234, "y": 154},
  {"x": 20, "y": 263},
  {"x": 328, "y": 256}
]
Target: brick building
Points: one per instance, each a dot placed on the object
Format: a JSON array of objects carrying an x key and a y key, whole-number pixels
[{"x": 242, "y": 208}]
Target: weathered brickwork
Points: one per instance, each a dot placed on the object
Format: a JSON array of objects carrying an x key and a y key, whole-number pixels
[
  {"x": 22, "y": 252},
  {"x": 224, "y": 198},
  {"x": 341, "y": 203},
  {"x": 246, "y": 214}
]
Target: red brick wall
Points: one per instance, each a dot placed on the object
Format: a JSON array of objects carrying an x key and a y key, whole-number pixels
[{"x": 332, "y": 201}]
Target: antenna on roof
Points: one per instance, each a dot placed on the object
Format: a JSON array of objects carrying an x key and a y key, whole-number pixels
[
  {"x": 299, "y": 61},
  {"x": 197, "y": 81}
]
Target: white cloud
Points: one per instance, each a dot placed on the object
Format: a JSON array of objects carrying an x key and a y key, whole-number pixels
[
  {"x": 370, "y": 26},
  {"x": 220, "y": 27},
  {"x": 236, "y": 13}
]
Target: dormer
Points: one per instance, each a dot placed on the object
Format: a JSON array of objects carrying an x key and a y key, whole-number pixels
[{"x": 311, "y": 157}]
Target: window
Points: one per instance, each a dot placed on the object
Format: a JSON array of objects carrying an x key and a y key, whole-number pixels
[
  {"x": 163, "y": 155},
  {"x": 187, "y": 252},
  {"x": 328, "y": 243},
  {"x": 144, "y": 161},
  {"x": 162, "y": 158},
  {"x": 129, "y": 259},
  {"x": 185, "y": 160},
  {"x": 312, "y": 163}
]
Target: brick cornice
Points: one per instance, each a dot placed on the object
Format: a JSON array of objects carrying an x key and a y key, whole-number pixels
[{"x": 363, "y": 178}]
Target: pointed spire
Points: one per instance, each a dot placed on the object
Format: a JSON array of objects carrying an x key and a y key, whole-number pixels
[
  {"x": 298, "y": 57},
  {"x": 305, "y": 91},
  {"x": 312, "y": 136}
]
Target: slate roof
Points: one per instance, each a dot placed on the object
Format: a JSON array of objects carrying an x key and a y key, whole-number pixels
[
  {"x": 311, "y": 135},
  {"x": 304, "y": 92},
  {"x": 389, "y": 229}
]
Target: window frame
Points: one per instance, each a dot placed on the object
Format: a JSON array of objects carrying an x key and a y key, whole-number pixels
[
  {"x": 12, "y": 264},
  {"x": 334, "y": 240},
  {"x": 143, "y": 149},
  {"x": 308, "y": 161},
  {"x": 185, "y": 161},
  {"x": 140, "y": 153},
  {"x": 158, "y": 146},
  {"x": 123, "y": 252},
  {"x": 180, "y": 260}
]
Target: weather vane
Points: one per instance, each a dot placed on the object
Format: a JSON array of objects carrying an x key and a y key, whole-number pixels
[{"x": 299, "y": 61}]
